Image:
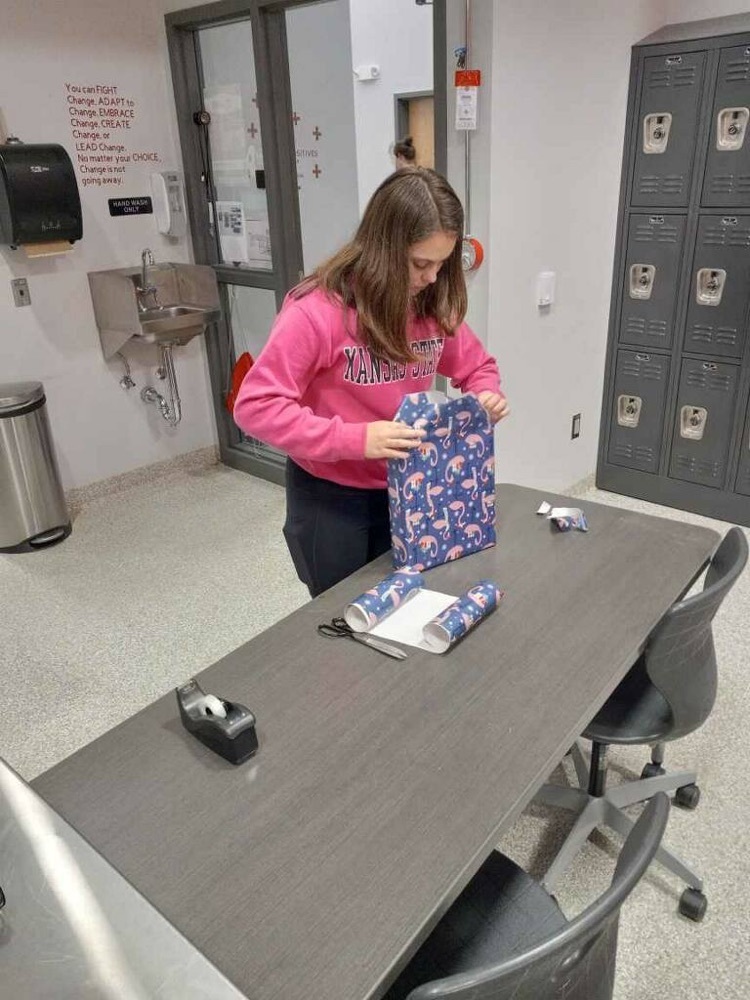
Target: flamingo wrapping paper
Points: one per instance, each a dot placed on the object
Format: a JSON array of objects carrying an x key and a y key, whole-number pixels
[
  {"x": 372, "y": 607},
  {"x": 442, "y": 497},
  {"x": 466, "y": 612}
]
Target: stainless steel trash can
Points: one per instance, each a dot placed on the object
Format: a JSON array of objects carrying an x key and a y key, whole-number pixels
[{"x": 33, "y": 512}]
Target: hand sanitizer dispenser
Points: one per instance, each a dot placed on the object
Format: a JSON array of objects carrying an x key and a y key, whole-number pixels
[{"x": 39, "y": 201}]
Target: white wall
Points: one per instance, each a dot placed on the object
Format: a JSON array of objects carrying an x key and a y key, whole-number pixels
[
  {"x": 559, "y": 90},
  {"x": 320, "y": 70},
  {"x": 99, "y": 430},
  {"x": 677, "y": 11},
  {"x": 396, "y": 35}
]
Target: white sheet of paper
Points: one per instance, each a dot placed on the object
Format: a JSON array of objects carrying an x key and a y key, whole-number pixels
[
  {"x": 232, "y": 231},
  {"x": 406, "y": 623}
]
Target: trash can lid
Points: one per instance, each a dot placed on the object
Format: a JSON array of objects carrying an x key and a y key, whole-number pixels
[{"x": 14, "y": 395}]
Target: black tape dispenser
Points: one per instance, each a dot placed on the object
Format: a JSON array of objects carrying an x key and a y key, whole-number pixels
[{"x": 226, "y": 727}]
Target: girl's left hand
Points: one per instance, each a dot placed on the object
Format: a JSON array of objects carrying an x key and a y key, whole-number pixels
[{"x": 495, "y": 404}]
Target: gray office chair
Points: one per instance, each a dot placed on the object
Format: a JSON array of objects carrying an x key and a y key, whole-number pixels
[
  {"x": 505, "y": 937},
  {"x": 668, "y": 693}
]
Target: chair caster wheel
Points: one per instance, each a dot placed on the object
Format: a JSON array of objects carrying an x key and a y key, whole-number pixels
[
  {"x": 688, "y": 796},
  {"x": 693, "y": 905},
  {"x": 652, "y": 770}
]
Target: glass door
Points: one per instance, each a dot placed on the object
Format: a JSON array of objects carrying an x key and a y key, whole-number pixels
[
  {"x": 265, "y": 99},
  {"x": 233, "y": 165}
]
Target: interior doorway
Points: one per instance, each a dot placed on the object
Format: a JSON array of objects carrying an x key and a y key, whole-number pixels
[{"x": 415, "y": 116}]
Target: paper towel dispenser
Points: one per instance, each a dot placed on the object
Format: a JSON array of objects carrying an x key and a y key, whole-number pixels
[{"x": 39, "y": 201}]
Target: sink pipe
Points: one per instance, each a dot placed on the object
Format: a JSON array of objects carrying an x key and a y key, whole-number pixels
[{"x": 172, "y": 410}]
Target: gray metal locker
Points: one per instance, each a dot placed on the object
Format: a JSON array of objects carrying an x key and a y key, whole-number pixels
[
  {"x": 638, "y": 410},
  {"x": 719, "y": 287},
  {"x": 743, "y": 470},
  {"x": 652, "y": 270},
  {"x": 727, "y": 179},
  {"x": 703, "y": 422},
  {"x": 666, "y": 133},
  {"x": 689, "y": 103}
]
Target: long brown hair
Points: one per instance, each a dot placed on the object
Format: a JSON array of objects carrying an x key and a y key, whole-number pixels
[{"x": 371, "y": 272}]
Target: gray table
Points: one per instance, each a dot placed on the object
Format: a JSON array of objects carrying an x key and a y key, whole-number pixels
[{"x": 315, "y": 870}]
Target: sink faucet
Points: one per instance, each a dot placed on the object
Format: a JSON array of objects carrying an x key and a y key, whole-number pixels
[{"x": 146, "y": 287}]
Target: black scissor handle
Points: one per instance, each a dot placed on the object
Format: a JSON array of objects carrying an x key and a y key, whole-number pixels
[{"x": 335, "y": 628}]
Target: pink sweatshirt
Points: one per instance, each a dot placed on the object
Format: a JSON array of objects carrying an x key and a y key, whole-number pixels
[{"x": 314, "y": 387}]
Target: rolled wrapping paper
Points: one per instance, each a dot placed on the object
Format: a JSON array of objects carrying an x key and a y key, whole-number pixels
[
  {"x": 376, "y": 604},
  {"x": 461, "y": 616}
]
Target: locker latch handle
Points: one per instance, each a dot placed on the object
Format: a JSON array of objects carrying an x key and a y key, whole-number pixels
[
  {"x": 629, "y": 410},
  {"x": 710, "y": 283},
  {"x": 693, "y": 422},
  {"x": 656, "y": 128},
  {"x": 642, "y": 278},
  {"x": 731, "y": 126}
]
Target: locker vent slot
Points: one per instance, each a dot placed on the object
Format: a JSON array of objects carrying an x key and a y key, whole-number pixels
[
  {"x": 649, "y": 232},
  {"x": 657, "y": 328},
  {"x": 684, "y": 77},
  {"x": 671, "y": 76},
  {"x": 704, "y": 334},
  {"x": 728, "y": 234},
  {"x": 637, "y": 328},
  {"x": 658, "y": 78},
  {"x": 668, "y": 185},
  {"x": 641, "y": 453},
  {"x": 703, "y": 469},
  {"x": 712, "y": 381},
  {"x": 729, "y": 184},
  {"x": 726, "y": 335},
  {"x": 637, "y": 369},
  {"x": 737, "y": 71}
]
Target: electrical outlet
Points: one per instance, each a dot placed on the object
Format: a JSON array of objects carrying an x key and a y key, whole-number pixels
[
  {"x": 575, "y": 426},
  {"x": 21, "y": 295}
]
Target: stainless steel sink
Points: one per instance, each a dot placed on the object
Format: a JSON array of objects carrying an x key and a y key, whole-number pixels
[
  {"x": 182, "y": 301},
  {"x": 176, "y": 322}
]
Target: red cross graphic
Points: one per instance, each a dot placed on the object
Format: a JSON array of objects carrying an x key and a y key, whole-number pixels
[
  {"x": 253, "y": 131},
  {"x": 317, "y": 133},
  {"x": 295, "y": 117},
  {"x": 317, "y": 171}
]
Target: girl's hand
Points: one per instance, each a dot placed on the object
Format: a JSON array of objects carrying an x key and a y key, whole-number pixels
[
  {"x": 391, "y": 439},
  {"x": 495, "y": 404}
]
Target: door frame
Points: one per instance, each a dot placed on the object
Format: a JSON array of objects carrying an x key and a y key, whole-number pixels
[{"x": 268, "y": 27}]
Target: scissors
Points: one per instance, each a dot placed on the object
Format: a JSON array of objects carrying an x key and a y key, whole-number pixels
[{"x": 337, "y": 628}]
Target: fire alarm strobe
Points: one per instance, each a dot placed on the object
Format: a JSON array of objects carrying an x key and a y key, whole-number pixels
[{"x": 472, "y": 253}]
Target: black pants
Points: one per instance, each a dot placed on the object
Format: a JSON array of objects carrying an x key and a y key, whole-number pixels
[{"x": 332, "y": 530}]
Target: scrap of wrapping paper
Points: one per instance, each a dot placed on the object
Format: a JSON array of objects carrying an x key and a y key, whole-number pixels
[
  {"x": 564, "y": 518},
  {"x": 442, "y": 496},
  {"x": 432, "y": 621}
]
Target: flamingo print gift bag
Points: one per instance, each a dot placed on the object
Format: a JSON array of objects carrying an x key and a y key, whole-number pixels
[{"x": 442, "y": 497}]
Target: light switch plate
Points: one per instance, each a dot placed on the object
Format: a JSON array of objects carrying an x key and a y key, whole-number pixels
[
  {"x": 545, "y": 289},
  {"x": 21, "y": 295}
]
